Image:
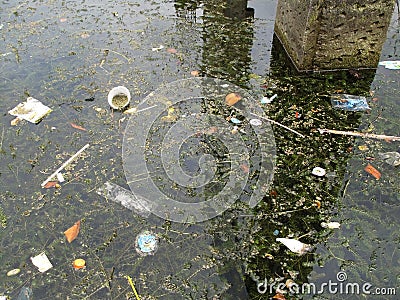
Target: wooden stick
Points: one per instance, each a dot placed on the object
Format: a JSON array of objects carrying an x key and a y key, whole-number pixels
[
  {"x": 272, "y": 121},
  {"x": 361, "y": 134},
  {"x": 64, "y": 165}
]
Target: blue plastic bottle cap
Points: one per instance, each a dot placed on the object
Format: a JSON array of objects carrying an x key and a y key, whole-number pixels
[{"x": 146, "y": 243}]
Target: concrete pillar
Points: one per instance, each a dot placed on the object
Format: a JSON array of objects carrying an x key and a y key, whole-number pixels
[{"x": 333, "y": 34}]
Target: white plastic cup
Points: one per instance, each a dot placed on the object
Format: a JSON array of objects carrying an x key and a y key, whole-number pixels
[{"x": 119, "y": 90}]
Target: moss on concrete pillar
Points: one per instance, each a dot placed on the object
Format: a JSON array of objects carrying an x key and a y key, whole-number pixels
[{"x": 333, "y": 34}]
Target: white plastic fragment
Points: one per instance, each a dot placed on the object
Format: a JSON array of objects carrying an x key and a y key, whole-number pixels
[
  {"x": 60, "y": 177},
  {"x": 126, "y": 198},
  {"x": 13, "y": 272},
  {"x": 266, "y": 100},
  {"x": 157, "y": 48},
  {"x": 42, "y": 262},
  {"x": 31, "y": 110},
  {"x": 295, "y": 245},
  {"x": 391, "y": 65},
  {"x": 318, "y": 171},
  {"x": 255, "y": 122},
  {"x": 391, "y": 158},
  {"x": 330, "y": 225}
]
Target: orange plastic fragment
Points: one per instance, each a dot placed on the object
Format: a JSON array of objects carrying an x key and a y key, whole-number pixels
[
  {"x": 232, "y": 98},
  {"x": 79, "y": 263},
  {"x": 77, "y": 127},
  {"x": 374, "y": 172},
  {"x": 72, "y": 232},
  {"x": 51, "y": 184}
]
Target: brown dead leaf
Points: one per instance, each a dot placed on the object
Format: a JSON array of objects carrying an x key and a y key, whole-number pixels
[
  {"x": 72, "y": 232},
  {"x": 195, "y": 73},
  {"x": 77, "y": 126},
  {"x": 279, "y": 296}
]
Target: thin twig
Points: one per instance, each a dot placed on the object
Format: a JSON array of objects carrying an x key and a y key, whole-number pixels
[
  {"x": 115, "y": 52},
  {"x": 277, "y": 123},
  {"x": 64, "y": 165},
  {"x": 361, "y": 134},
  {"x": 2, "y": 138}
]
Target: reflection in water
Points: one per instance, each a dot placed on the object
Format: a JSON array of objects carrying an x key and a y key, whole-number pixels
[{"x": 228, "y": 39}]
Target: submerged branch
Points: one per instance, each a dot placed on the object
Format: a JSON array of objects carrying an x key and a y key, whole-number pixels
[{"x": 277, "y": 123}]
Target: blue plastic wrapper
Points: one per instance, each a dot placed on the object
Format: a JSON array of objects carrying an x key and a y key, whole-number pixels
[{"x": 349, "y": 102}]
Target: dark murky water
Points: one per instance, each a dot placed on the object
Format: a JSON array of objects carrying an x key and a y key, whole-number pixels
[{"x": 69, "y": 57}]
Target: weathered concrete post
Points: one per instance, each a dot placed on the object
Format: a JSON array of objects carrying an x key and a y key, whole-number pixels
[{"x": 333, "y": 34}]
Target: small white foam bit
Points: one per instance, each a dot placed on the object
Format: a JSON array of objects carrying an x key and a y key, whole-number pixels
[
  {"x": 295, "y": 245},
  {"x": 331, "y": 225},
  {"x": 42, "y": 262}
]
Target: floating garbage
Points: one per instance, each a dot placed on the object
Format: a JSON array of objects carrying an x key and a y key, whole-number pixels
[
  {"x": 119, "y": 97},
  {"x": 42, "y": 262},
  {"x": 295, "y": 245},
  {"x": 361, "y": 134},
  {"x": 146, "y": 243},
  {"x": 25, "y": 293},
  {"x": 349, "y": 102},
  {"x": 391, "y": 65},
  {"x": 391, "y": 158},
  {"x": 232, "y": 98},
  {"x": 318, "y": 171},
  {"x": 79, "y": 263},
  {"x": 157, "y": 48},
  {"x": 266, "y": 100},
  {"x": 60, "y": 177},
  {"x": 235, "y": 129},
  {"x": 72, "y": 232},
  {"x": 64, "y": 165},
  {"x": 255, "y": 122},
  {"x": 126, "y": 198},
  {"x": 330, "y": 225},
  {"x": 13, "y": 272},
  {"x": 235, "y": 121},
  {"x": 374, "y": 172},
  {"x": 31, "y": 110}
]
